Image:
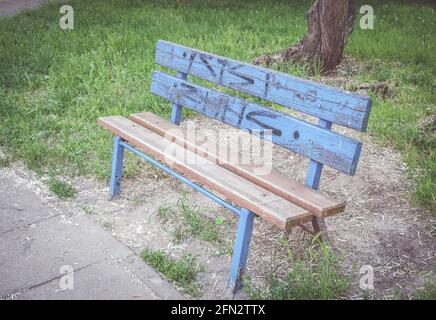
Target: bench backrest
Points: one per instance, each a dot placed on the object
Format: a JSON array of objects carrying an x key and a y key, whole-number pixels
[{"x": 316, "y": 142}]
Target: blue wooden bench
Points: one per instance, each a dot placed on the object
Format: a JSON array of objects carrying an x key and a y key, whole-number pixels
[{"x": 239, "y": 188}]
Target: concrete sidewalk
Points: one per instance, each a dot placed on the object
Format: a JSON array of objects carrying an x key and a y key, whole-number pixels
[{"x": 37, "y": 244}]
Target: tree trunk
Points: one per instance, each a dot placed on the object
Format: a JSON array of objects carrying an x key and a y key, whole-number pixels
[{"x": 329, "y": 24}]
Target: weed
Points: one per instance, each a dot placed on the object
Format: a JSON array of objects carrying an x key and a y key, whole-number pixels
[
  {"x": 4, "y": 162},
  {"x": 426, "y": 293},
  {"x": 88, "y": 210},
  {"x": 192, "y": 223},
  {"x": 197, "y": 224},
  {"x": 316, "y": 276},
  {"x": 62, "y": 189},
  {"x": 182, "y": 271},
  {"x": 109, "y": 226}
]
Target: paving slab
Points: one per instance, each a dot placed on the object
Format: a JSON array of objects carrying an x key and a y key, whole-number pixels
[
  {"x": 14, "y": 201},
  {"x": 36, "y": 253},
  {"x": 108, "y": 279},
  {"x": 38, "y": 244}
]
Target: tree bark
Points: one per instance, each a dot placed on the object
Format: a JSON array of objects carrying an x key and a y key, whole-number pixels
[{"x": 329, "y": 24}]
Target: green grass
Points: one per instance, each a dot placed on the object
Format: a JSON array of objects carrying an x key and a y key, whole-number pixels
[
  {"x": 109, "y": 226},
  {"x": 427, "y": 293},
  {"x": 54, "y": 84},
  {"x": 192, "y": 223},
  {"x": 315, "y": 276},
  {"x": 4, "y": 162},
  {"x": 407, "y": 121},
  {"x": 181, "y": 271},
  {"x": 88, "y": 210},
  {"x": 62, "y": 189}
]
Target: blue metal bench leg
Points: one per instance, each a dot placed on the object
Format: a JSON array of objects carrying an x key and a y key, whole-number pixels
[
  {"x": 117, "y": 168},
  {"x": 242, "y": 246}
]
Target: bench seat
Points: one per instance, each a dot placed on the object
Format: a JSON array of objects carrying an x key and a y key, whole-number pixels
[
  {"x": 307, "y": 198},
  {"x": 234, "y": 188}
]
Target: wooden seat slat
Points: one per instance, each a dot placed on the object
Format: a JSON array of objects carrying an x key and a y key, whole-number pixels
[
  {"x": 307, "y": 198},
  {"x": 234, "y": 188}
]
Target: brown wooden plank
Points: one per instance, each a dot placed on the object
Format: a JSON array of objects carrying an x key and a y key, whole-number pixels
[
  {"x": 234, "y": 188},
  {"x": 317, "y": 203}
]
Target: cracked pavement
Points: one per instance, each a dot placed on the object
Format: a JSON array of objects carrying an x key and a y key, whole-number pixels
[{"x": 37, "y": 243}]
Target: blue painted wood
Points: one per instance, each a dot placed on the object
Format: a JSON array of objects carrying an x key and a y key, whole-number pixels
[
  {"x": 241, "y": 248},
  {"x": 117, "y": 167},
  {"x": 324, "y": 146},
  {"x": 325, "y": 102},
  {"x": 176, "y": 113}
]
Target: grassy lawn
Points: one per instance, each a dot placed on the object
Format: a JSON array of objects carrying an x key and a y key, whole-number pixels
[{"x": 54, "y": 84}]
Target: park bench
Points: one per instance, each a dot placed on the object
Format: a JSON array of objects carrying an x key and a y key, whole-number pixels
[{"x": 239, "y": 188}]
